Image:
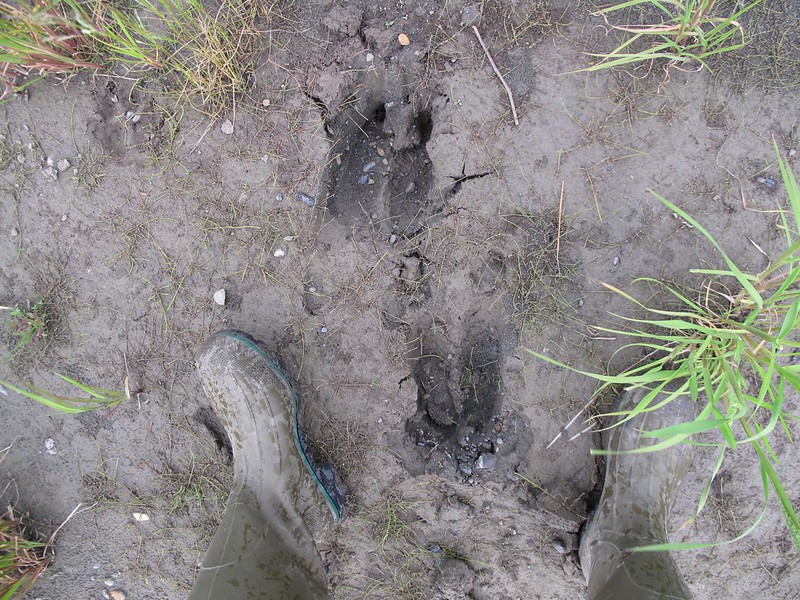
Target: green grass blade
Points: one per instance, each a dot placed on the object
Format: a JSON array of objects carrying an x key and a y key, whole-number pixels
[{"x": 743, "y": 279}]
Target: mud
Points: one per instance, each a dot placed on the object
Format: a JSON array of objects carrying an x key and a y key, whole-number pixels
[{"x": 442, "y": 243}]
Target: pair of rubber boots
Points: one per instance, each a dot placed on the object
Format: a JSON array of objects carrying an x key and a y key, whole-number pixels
[{"x": 282, "y": 499}]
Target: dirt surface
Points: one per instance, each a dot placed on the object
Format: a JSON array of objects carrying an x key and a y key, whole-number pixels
[{"x": 383, "y": 224}]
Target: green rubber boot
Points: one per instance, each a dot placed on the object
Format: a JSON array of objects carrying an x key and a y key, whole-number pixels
[
  {"x": 637, "y": 496},
  {"x": 281, "y": 498}
]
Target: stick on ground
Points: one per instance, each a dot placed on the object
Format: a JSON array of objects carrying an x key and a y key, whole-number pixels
[
  {"x": 499, "y": 75},
  {"x": 558, "y": 238}
]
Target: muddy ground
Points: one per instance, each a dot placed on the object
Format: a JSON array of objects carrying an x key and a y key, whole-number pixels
[{"x": 442, "y": 241}]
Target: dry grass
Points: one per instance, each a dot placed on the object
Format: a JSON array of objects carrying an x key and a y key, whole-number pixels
[{"x": 22, "y": 561}]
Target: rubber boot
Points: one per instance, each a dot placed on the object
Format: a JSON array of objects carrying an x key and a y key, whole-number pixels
[
  {"x": 281, "y": 498},
  {"x": 637, "y": 496}
]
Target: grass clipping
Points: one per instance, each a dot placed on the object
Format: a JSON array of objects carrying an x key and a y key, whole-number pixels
[{"x": 732, "y": 353}]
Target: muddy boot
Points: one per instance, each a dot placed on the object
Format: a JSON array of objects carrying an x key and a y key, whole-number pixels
[
  {"x": 634, "y": 507},
  {"x": 264, "y": 547}
]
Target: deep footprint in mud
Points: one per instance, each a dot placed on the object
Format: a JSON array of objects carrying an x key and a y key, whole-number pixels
[
  {"x": 460, "y": 427},
  {"x": 379, "y": 171}
]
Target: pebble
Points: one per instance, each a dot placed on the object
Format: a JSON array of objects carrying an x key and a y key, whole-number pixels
[
  {"x": 560, "y": 546},
  {"x": 109, "y": 582},
  {"x": 14, "y": 232},
  {"x": 792, "y": 152},
  {"x": 279, "y": 253},
  {"x": 227, "y": 127},
  {"x": 499, "y": 441},
  {"x": 369, "y": 57},
  {"x": 393, "y": 239},
  {"x": 266, "y": 102},
  {"x": 616, "y": 261},
  {"x": 362, "y": 180},
  {"x": 141, "y": 517},
  {"x": 219, "y": 296},
  {"x": 381, "y": 152},
  {"x": 63, "y": 217},
  {"x": 279, "y": 197},
  {"x": 770, "y": 183},
  {"x": 369, "y": 166},
  {"x": 63, "y": 165},
  {"x": 117, "y": 595},
  {"x": 50, "y": 173},
  {"x": 306, "y": 199},
  {"x": 50, "y": 446},
  {"x": 403, "y": 39},
  {"x": 323, "y": 330},
  {"x": 486, "y": 461}
]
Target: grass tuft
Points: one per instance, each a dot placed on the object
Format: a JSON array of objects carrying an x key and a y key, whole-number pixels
[
  {"x": 732, "y": 347},
  {"x": 690, "y": 31},
  {"x": 21, "y": 560},
  {"x": 29, "y": 325},
  {"x": 205, "y": 57}
]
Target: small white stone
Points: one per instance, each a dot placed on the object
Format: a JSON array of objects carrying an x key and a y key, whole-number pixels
[
  {"x": 219, "y": 296},
  {"x": 109, "y": 582},
  {"x": 279, "y": 253},
  {"x": 50, "y": 446},
  {"x": 63, "y": 217},
  {"x": 63, "y": 165},
  {"x": 380, "y": 420},
  {"x": 266, "y": 102},
  {"x": 792, "y": 152},
  {"x": 50, "y": 173},
  {"x": 141, "y": 516},
  {"x": 369, "y": 57},
  {"x": 14, "y": 232},
  {"x": 227, "y": 127}
]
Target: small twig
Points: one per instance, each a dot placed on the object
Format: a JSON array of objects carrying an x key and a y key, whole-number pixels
[
  {"x": 499, "y": 75},
  {"x": 76, "y": 511},
  {"x": 558, "y": 235}
]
